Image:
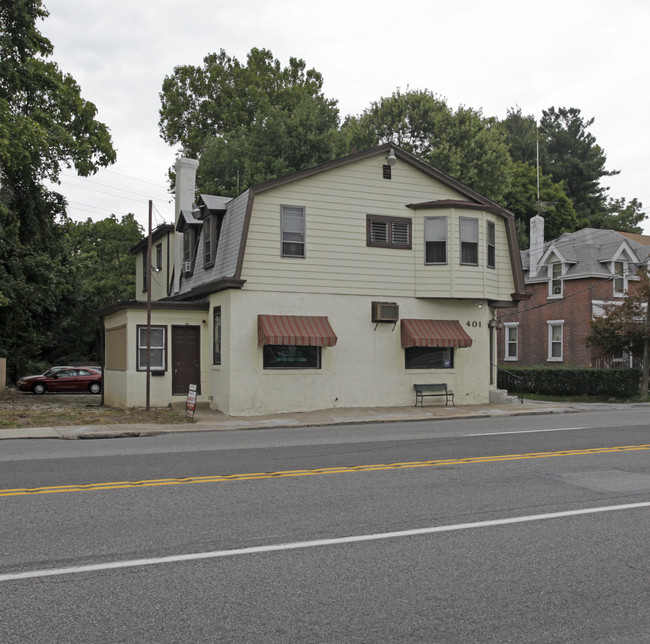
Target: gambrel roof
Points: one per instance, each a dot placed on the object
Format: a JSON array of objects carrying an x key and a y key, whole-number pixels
[{"x": 237, "y": 213}]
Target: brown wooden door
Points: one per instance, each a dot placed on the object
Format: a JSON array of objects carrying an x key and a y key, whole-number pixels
[{"x": 186, "y": 363}]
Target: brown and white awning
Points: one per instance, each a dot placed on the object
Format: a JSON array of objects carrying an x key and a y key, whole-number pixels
[
  {"x": 302, "y": 330},
  {"x": 434, "y": 333}
]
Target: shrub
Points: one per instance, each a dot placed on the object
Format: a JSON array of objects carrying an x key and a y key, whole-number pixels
[{"x": 619, "y": 383}]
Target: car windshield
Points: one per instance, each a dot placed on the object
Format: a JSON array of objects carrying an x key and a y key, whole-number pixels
[{"x": 53, "y": 370}]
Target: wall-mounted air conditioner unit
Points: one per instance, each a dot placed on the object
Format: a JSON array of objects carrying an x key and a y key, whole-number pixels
[{"x": 385, "y": 312}]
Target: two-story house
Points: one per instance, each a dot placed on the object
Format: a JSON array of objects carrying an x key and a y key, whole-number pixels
[
  {"x": 570, "y": 279},
  {"x": 339, "y": 285}
]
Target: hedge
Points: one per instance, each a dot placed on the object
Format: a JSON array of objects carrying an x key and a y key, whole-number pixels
[{"x": 619, "y": 383}]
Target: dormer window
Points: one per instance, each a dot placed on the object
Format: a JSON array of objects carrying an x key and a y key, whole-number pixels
[
  {"x": 188, "y": 251},
  {"x": 620, "y": 278},
  {"x": 555, "y": 285}
]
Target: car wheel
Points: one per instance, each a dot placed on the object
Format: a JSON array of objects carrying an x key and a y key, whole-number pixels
[
  {"x": 39, "y": 388},
  {"x": 94, "y": 388}
]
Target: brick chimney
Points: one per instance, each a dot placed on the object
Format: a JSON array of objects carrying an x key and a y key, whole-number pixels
[
  {"x": 185, "y": 193},
  {"x": 536, "y": 243}
]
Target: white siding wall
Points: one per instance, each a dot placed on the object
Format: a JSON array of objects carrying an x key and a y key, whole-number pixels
[{"x": 338, "y": 261}]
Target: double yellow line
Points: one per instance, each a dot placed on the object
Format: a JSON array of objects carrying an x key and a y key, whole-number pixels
[{"x": 117, "y": 485}]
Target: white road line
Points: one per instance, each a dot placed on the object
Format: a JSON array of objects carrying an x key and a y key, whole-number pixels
[
  {"x": 112, "y": 565},
  {"x": 531, "y": 431}
]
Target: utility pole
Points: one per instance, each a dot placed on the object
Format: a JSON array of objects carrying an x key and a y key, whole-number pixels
[
  {"x": 148, "y": 387},
  {"x": 645, "y": 366}
]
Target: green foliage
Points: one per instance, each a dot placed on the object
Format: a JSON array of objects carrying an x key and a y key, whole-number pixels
[
  {"x": 570, "y": 156},
  {"x": 569, "y": 153},
  {"x": 521, "y": 200},
  {"x": 45, "y": 125},
  {"x": 560, "y": 381},
  {"x": 462, "y": 143},
  {"x": 247, "y": 123},
  {"x": 521, "y": 133},
  {"x": 623, "y": 326},
  {"x": 101, "y": 271}
]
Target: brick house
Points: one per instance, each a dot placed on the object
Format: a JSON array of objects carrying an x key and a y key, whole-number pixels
[{"x": 569, "y": 279}]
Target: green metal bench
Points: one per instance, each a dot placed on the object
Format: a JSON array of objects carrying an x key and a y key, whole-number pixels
[{"x": 439, "y": 389}]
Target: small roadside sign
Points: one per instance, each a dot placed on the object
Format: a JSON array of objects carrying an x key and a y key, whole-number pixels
[{"x": 190, "y": 406}]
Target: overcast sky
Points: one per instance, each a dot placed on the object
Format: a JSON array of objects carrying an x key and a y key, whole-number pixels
[{"x": 588, "y": 54}]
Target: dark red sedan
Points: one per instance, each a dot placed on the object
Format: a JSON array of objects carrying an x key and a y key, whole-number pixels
[{"x": 60, "y": 379}]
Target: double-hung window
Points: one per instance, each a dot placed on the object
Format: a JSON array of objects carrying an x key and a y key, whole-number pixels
[
  {"x": 388, "y": 232},
  {"x": 435, "y": 240},
  {"x": 292, "y": 222},
  {"x": 158, "y": 349},
  {"x": 490, "y": 234},
  {"x": 512, "y": 340},
  {"x": 620, "y": 278},
  {"x": 159, "y": 257},
  {"x": 555, "y": 340},
  {"x": 469, "y": 241},
  {"x": 555, "y": 285}
]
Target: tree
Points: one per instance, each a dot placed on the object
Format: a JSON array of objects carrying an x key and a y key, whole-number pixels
[
  {"x": 247, "y": 123},
  {"x": 570, "y": 156},
  {"x": 554, "y": 206},
  {"x": 45, "y": 125},
  {"x": 461, "y": 143},
  {"x": 626, "y": 327},
  {"x": 521, "y": 136},
  {"x": 569, "y": 153},
  {"x": 100, "y": 271}
]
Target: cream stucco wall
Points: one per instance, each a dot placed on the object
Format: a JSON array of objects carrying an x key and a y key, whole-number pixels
[
  {"x": 364, "y": 369},
  {"x": 128, "y": 388}
]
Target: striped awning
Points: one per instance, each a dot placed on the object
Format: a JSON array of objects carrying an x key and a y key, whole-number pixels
[
  {"x": 434, "y": 333},
  {"x": 303, "y": 330}
]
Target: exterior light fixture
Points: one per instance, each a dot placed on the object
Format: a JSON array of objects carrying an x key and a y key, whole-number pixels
[{"x": 391, "y": 159}]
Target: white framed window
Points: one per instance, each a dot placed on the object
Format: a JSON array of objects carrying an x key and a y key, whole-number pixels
[
  {"x": 158, "y": 348},
  {"x": 620, "y": 278},
  {"x": 555, "y": 340},
  {"x": 468, "y": 241},
  {"x": 491, "y": 244},
  {"x": 555, "y": 283},
  {"x": 292, "y": 222},
  {"x": 435, "y": 240},
  {"x": 511, "y": 330}
]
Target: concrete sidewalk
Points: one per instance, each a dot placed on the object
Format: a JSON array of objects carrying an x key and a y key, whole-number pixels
[{"x": 208, "y": 420}]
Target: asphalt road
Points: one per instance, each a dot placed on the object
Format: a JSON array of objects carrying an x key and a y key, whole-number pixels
[{"x": 525, "y": 529}]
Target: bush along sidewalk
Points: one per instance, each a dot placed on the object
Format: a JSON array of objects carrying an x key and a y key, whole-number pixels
[{"x": 550, "y": 381}]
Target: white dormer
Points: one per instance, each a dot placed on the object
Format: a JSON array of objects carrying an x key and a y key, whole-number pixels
[
  {"x": 557, "y": 266},
  {"x": 619, "y": 266}
]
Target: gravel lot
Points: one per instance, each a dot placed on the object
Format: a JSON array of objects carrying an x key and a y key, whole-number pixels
[
  {"x": 23, "y": 409},
  {"x": 12, "y": 399}
]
